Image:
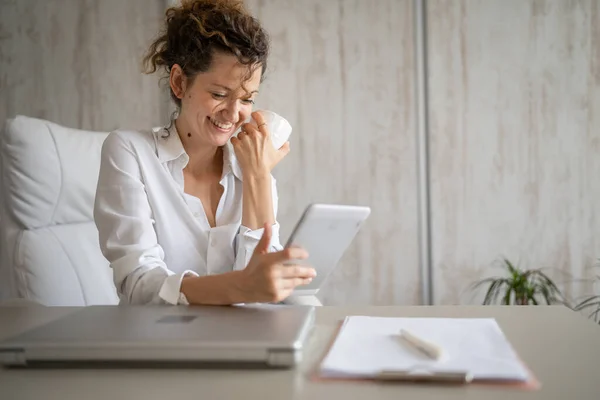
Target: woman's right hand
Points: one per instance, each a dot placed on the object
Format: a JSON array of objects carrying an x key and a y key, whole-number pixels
[{"x": 266, "y": 279}]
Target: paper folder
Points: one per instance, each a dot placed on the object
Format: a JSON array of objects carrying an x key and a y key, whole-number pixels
[
  {"x": 459, "y": 378},
  {"x": 366, "y": 348}
]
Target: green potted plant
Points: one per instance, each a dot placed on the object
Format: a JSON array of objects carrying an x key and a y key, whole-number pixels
[{"x": 520, "y": 287}]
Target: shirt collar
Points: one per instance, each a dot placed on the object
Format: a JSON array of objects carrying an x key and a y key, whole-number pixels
[
  {"x": 170, "y": 148},
  {"x": 168, "y": 144}
]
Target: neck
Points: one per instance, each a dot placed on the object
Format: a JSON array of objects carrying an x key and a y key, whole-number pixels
[{"x": 204, "y": 159}]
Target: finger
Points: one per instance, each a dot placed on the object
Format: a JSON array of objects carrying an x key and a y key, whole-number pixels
[
  {"x": 290, "y": 253},
  {"x": 297, "y": 271},
  {"x": 260, "y": 122},
  {"x": 234, "y": 141},
  {"x": 251, "y": 130},
  {"x": 292, "y": 283},
  {"x": 284, "y": 150},
  {"x": 243, "y": 136},
  {"x": 263, "y": 244}
]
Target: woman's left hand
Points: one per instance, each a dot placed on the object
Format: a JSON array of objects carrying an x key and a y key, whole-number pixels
[{"x": 254, "y": 149}]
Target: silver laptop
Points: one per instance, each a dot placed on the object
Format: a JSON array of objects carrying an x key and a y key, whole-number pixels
[{"x": 164, "y": 336}]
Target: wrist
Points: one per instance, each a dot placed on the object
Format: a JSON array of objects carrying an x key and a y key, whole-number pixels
[
  {"x": 257, "y": 176},
  {"x": 186, "y": 289},
  {"x": 238, "y": 291},
  {"x": 222, "y": 289}
]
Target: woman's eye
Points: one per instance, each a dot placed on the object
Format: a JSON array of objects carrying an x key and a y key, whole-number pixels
[
  {"x": 248, "y": 101},
  {"x": 218, "y": 96}
]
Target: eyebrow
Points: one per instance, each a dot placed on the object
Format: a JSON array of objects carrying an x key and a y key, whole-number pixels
[{"x": 229, "y": 89}]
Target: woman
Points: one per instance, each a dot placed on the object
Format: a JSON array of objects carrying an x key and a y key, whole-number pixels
[{"x": 185, "y": 215}]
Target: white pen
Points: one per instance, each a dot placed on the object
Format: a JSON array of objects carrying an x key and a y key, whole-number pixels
[{"x": 430, "y": 349}]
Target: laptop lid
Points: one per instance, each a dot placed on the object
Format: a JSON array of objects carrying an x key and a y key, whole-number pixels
[{"x": 269, "y": 335}]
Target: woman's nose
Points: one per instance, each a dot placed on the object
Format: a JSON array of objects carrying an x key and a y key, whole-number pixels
[{"x": 232, "y": 112}]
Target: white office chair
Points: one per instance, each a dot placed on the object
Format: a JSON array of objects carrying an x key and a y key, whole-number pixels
[{"x": 49, "y": 244}]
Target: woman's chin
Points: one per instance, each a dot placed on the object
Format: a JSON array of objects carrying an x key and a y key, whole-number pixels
[
  {"x": 219, "y": 137},
  {"x": 220, "y": 140}
]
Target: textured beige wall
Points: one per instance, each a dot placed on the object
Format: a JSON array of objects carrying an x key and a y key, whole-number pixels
[
  {"x": 77, "y": 62},
  {"x": 342, "y": 72},
  {"x": 514, "y": 118},
  {"x": 515, "y": 139}
]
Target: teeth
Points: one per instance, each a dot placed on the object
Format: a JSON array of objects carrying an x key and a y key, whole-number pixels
[{"x": 221, "y": 125}]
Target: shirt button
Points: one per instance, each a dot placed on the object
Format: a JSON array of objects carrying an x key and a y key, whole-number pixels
[
  {"x": 196, "y": 214},
  {"x": 213, "y": 243}
]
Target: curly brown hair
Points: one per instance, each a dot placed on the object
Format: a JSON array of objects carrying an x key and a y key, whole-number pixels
[{"x": 196, "y": 29}]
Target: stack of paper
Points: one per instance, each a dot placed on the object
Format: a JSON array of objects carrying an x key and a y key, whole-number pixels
[{"x": 366, "y": 346}]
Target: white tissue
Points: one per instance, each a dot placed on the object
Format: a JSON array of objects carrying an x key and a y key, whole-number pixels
[{"x": 279, "y": 127}]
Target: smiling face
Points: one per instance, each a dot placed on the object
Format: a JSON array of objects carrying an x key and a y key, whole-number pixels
[{"x": 216, "y": 103}]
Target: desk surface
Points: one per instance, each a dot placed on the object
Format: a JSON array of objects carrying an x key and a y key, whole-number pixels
[{"x": 561, "y": 347}]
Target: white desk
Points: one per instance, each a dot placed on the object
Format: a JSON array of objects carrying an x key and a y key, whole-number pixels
[{"x": 561, "y": 347}]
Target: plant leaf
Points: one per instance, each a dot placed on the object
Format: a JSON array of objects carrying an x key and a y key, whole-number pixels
[
  {"x": 588, "y": 305},
  {"x": 534, "y": 301},
  {"x": 483, "y": 282},
  {"x": 506, "y": 299},
  {"x": 503, "y": 282},
  {"x": 549, "y": 282},
  {"x": 548, "y": 288},
  {"x": 511, "y": 267},
  {"x": 546, "y": 294},
  {"x": 491, "y": 290},
  {"x": 587, "y": 302}
]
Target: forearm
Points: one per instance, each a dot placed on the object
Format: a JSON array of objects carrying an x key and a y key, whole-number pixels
[
  {"x": 257, "y": 207},
  {"x": 222, "y": 289},
  {"x": 142, "y": 286}
]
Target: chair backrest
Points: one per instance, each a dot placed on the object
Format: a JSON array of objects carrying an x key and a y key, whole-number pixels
[{"x": 49, "y": 243}]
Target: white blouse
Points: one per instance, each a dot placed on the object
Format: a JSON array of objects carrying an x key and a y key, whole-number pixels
[{"x": 152, "y": 232}]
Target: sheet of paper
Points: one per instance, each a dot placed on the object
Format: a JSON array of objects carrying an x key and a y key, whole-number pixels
[{"x": 367, "y": 345}]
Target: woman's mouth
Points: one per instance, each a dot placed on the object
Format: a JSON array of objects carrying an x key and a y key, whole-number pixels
[{"x": 221, "y": 126}]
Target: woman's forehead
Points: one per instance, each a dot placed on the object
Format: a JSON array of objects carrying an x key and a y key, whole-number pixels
[{"x": 226, "y": 71}]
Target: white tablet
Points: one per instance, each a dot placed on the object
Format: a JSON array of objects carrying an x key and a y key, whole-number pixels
[{"x": 325, "y": 231}]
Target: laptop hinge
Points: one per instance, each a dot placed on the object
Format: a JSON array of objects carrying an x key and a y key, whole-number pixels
[
  {"x": 282, "y": 358},
  {"x": 12, "y": 357}
]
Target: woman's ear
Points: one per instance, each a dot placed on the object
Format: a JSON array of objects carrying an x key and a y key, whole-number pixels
[{"x": 177, "y": 81}]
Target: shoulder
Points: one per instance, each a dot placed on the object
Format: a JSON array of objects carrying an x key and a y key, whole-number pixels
[{"x": 129, "y": 141}]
